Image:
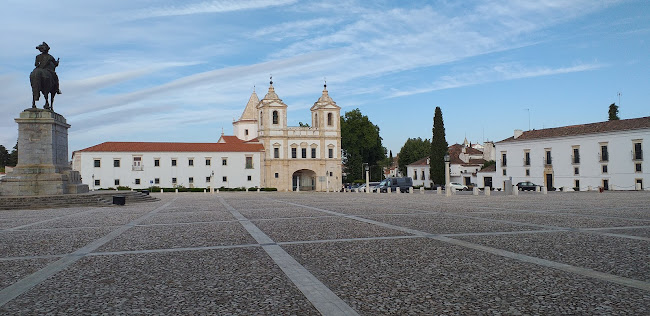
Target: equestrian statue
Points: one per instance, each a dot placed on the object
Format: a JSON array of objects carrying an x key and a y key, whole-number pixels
[{"x": 43, "y": 78}]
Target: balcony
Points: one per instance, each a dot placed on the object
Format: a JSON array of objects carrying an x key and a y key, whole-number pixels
[
  {"x": 137, "y": 168},
  {"x": 575, "y": 159}
]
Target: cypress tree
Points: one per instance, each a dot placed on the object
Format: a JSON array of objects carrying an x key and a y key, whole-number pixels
[{"x": 439, "y": 149}]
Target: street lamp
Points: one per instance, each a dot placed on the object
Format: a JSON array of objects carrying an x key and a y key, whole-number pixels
[
  {"x": 367, "y": 167},
  {"x": 212, "y": 182},
  {"x": 447, "y": 185}
]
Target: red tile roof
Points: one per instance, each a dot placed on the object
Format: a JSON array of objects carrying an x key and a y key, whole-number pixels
[
  {"x": 583, "y": 129},
  {"x": 230, "y": 146},
  {"x": 421, "y": 162},
  {"x": 490, "y": 168}
]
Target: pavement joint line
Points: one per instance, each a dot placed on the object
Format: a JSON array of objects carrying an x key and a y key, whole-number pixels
[
  {"x": 562, "y": 212},
  {"x": 642, "y": 285},
  {"x": 321, "y": 297},
  {"x": 51, "y": 219},
  {"x": 166, "y": 250},
  {"x": 31, "y": 257},
  {"x": 617, "y": 235},
  {"x": 25, "y": 284},
  {"x": 319, "y": 241}
]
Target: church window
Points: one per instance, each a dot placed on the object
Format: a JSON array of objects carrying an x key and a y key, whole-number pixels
[
  {"x": 261, "y": 119},
  {"x": 313, "y": 152},
  {"x": 249, "y": 162},
  {"x": 294, "y": 152},
  {"x": 330, "y": 152},
  {"x": 276, "y": 152},
  {"x": 304, "y": 152},
  {"x": 275, "y": 117},
  {"x": 246, "y": 132},
  {"x": 329, "y": 119},
  {"x": 277, "y": 175}
]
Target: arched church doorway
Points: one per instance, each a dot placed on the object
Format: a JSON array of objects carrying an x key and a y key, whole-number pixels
[{"x": 304, "y": 180}]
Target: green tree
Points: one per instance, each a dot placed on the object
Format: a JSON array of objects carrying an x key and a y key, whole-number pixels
[
  {"x": 413, "y": 150},
  {"x": 13, "y": 157},
  {"x": 361, "y": 144},
  {"x": 613, "y": 112},
  {"x": 439, "y": 149},
  {"x": 4, "y": 156}
]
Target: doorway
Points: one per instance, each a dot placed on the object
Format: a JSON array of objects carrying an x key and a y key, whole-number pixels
[{"x": 549, "y": 181}]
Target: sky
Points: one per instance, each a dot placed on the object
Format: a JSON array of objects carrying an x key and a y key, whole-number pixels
[{"x": 181, "y": 71}]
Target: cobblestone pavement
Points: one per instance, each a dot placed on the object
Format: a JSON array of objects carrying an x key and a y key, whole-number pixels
[{"x": 273, "y": 253}]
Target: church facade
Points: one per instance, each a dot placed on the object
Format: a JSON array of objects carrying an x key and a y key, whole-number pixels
[{"x": 264, "y": 152}]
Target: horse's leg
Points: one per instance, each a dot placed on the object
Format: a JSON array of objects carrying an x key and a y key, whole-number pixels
[
  {"x": 52, "y": 94},
  {"x": 47, "y": 104}
]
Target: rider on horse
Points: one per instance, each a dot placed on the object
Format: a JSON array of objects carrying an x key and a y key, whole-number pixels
[{"x": 46, "y": 61}]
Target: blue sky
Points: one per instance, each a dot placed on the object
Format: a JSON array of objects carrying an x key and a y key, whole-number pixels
[{"x": 181, "y": 71}]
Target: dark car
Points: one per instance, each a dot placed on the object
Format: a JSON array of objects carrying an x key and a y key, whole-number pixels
[
  {"x": 393, "y": 184},
  {"x": 527, "y": 186}
]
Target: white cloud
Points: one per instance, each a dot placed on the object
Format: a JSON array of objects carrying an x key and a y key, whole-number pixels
[
  {"x": 210, "y": 7},
  {"x": 494, "y": 73}
]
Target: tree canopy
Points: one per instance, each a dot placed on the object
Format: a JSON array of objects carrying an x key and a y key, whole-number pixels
[
  {"x": 613, "y": 112},
  {"x": 361, "y": 144},
  {"x": 413, "y": 150},
  {"x": 439, "y": 149},
  {"x": 13, "y": 157}
]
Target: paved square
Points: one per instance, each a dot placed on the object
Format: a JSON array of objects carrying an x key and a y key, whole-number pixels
[{"x": 271, "y": 253}]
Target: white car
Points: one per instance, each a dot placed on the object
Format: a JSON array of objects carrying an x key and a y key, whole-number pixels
[{"x": 458, "y": 186}]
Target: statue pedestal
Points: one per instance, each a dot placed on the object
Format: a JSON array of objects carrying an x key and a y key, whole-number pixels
[{"x": 43, "y": 167}]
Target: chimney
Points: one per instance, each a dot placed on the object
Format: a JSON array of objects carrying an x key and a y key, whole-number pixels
[{"x": 518, "y": 133}]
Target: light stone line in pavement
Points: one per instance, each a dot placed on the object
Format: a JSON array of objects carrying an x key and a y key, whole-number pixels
[
  {"x": 50, "y": 219},
  {"x": 23, "y": 285},
  {"x": 552, "y": 227},
  {"x": 563, "y": 212},
  {"x": 165, "y": 250},
  {"x": 323, "y": 299},
  {"x": 31, "y": 257},
  {"x": 507, "y": 254}
]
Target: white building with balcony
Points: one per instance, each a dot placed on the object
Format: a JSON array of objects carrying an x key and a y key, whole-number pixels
[{"x": 606, "y": 154}]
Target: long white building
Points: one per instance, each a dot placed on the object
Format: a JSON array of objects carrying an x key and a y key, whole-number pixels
[
  {"x": 230, "y": 162},
  {"x": 606, "y": 154}
]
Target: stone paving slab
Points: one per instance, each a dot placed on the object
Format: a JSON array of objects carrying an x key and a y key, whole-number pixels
[
  {"x": 179, "y": 236},
  {"x": 640, "y": 232},
  {"x": 280, "y": 212},
  {"x": 214, "y": 282},
  {"x": 189, "y": 217},
  {"x": 97, "y": 219},
  {"x": 618, "y": 256},
  {"x": 321, "y": 228},
  {"x": 47, "y": 242},
  {"x": 436, "y": 223},
  {"x": 15, "y": 270},
  {"x": 428, "y": 277},
  {"x": 15, "y": 222}
]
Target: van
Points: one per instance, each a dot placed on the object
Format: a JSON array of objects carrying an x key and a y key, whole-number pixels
[{"x": 393, "y": 184}]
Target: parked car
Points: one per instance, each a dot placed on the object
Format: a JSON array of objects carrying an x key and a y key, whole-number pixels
[
  {"x": 362, "y": 187},
  {"x": 527, "y": 186},
  {"x": 458, "y": 186},
  {"x": 393, "y": 184}
]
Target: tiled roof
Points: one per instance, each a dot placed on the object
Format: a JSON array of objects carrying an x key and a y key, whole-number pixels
[
  {"x": 490, "y": 168},
  {"x": 583, "y": 129},
  {"x": 421, "y": 162},
  {"x": 239, "y": 146}
]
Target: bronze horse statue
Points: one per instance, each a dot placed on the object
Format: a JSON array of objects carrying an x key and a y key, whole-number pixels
[
  {"x": 43, "y": 78},
  {"x": 42, "y": 82}
]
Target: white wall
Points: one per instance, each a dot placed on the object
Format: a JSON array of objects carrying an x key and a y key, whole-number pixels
[
  {"x": 235, "y": 172},
  {"x": 621, "y": 167}
]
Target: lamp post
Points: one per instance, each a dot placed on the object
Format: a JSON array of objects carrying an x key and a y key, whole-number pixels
[
  {"x": 367, "y": 167},
  {"x": 447, "y": 185},
  {"x": 212, "y": 182}
]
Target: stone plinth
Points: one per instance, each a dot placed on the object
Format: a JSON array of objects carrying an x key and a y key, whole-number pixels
[{"x": 43, "y": 167}]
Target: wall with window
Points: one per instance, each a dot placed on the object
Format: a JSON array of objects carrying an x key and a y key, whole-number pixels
[
  {"x": 192, "y": 169},
  {"x": 589, "y": 160}
]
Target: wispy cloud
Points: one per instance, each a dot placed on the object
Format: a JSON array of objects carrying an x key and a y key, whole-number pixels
[
  {"x": 221, "y": 6},
  {"x": 501, "y": 72}
]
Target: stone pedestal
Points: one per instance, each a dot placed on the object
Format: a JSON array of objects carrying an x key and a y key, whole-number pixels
[{"x": 43, "y": 167}]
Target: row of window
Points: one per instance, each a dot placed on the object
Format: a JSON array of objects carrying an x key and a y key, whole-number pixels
[
  {"x": 603, "y": 155},
  {"x": 276, "y": 119},
  {"x": 156, "y": 181},
  {"x": 415, "y": 175},
  {"x": 137, "y": 162},
  {"x": 303, "y": 151},
  {"x": 576, "y": 170}
]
